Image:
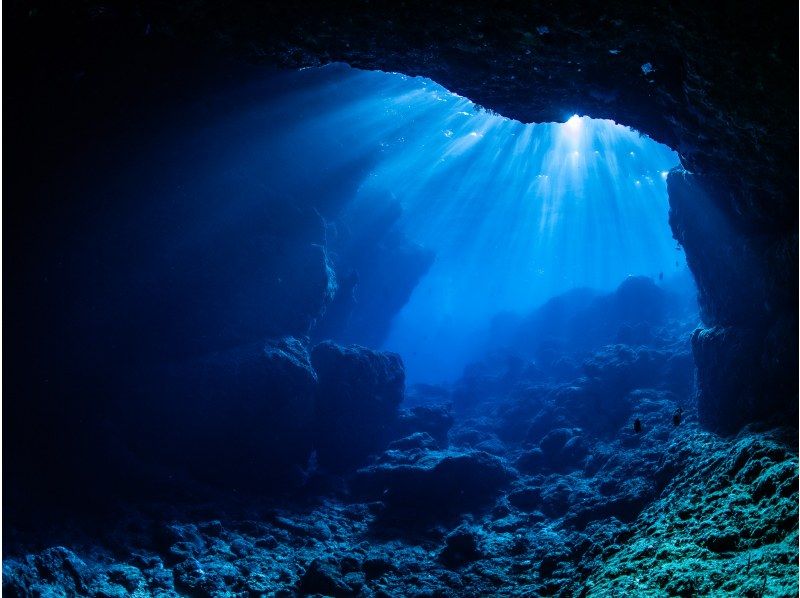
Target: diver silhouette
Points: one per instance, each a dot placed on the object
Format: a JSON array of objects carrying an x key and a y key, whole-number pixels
[
  {"x": 637, "y": 426},
  {"x": 676, "y": 417}
]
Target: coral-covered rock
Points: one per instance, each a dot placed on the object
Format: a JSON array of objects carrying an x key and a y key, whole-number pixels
[
  {"x": 55, "y": 571},
  {"x": 688, "y": 543},
  {"x": 356, "y": 404}
]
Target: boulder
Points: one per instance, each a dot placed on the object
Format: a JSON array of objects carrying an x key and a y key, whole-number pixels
[
  {"x": 241, "y": 418},
  {"x": 357, "y": 403},
  {"x": 622, "y": 367},
  {"x": 462, "y": 546},
  {"x": 323, "y": 578},
  {"x": 530, "y": 461},
  {"x": 437, "y": 484}
]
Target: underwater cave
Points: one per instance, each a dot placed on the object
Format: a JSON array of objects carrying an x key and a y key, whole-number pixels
[{"x": 400, "y": 300}]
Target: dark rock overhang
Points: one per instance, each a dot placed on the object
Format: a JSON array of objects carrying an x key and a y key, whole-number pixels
[{"x": 716, "y": 82}]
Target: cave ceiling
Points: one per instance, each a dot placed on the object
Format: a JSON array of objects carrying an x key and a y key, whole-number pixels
[{"x": 715, "y": 81}]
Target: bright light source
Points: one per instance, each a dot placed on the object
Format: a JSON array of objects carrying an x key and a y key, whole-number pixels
[{"x": 574, "y": 121}]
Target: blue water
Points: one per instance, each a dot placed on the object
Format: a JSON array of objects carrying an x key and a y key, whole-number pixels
[{"x": 514, "y": 213}]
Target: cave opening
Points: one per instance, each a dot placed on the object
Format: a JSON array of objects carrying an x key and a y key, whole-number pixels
[{"x": 465, "y": 222}]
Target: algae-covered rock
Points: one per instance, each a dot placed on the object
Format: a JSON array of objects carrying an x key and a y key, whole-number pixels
[{"x": 726, "y": 525}]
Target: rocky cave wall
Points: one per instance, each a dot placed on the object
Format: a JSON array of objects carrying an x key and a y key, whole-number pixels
[{"x": 718, "y": 86}]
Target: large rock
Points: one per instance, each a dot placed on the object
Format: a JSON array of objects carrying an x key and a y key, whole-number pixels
[
  {"x": 731, "y": 383},
  {"x": 241, "y": 418},
  {"x": 357, "y": 402},
  {"x": 56, "y": 571},
  {"x": 462, "y": 546},
  {"x": 435, "y": 420},
  {"x": 616, "y": 369},
  {"x": 436, "y": 484}
]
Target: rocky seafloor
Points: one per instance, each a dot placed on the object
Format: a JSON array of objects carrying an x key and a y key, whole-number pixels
[{"x": 527, "y": 477}]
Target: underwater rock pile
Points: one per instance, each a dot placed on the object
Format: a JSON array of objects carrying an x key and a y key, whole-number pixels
[
  {"x": 726, "y": 523},
  {"x": 539, "y": 484}
]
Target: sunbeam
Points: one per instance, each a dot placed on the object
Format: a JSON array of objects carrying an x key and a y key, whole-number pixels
[{"x": 514, "y": 213}]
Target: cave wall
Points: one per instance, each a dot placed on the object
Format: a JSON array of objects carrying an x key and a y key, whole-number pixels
[
  {"x": 746, "y": 350},
  {"x": 717, "y": 85}
]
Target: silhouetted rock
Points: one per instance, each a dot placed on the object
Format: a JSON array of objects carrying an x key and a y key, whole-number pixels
[
  {"x": 381, "y": 267},
  {"x": 323, "y": 578},
  {"x": 357, "y": 402},
  {"x": 730, "y": 387},
  {"x": 461, "y": 546},
  {"x": 248, "y": 415}
]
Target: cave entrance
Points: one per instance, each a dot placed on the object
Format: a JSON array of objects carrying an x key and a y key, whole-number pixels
[{"x": 466, "y": 222}]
